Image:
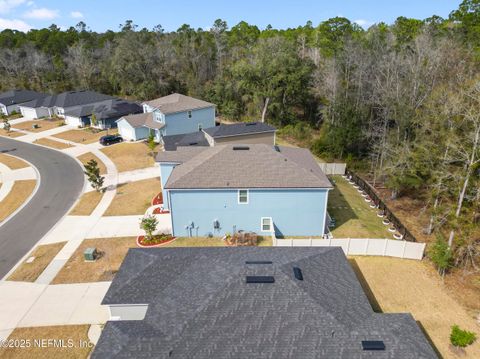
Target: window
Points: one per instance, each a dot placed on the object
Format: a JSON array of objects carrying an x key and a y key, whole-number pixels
[
  {"x": 189, "y": 114},
  {"x": 243, "y": 196},
  {"x": 267, "y": 224},
  {"x": 200, "y": 127}
]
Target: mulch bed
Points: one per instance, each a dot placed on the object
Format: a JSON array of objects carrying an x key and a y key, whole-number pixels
[
  {"x": 158, "y": 241},
  {"x": 158, "y": 199},
  {"x": 158, "y": 210}
]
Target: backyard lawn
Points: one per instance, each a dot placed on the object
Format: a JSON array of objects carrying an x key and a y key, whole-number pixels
[
  {"x": 77, "y": 333},
  {"x": 43, "y": 125},
  {"x": 130, "y": 156},
  {"x": 354, "y": 217},
  {"x": 44, "y": 254},
  {"x": 52, "y": 143},
  {"x": 134, "y": 197},
  {"x": 408, "y": 286},
  {"x": 87, "y": 204},
  {"x": 90, "y": 156},
  {"x": 19, "y": 193},
  {"x": 14, "y": 163},
  {"x": 85, "y": 136}
]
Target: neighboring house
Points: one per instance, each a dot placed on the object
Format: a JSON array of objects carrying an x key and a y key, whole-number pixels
[
  {"x": 106, "y": 113},
  {"x": 11, "y": 100},
  {"x": 259, "y": 188},
  {"x": 204, "y": 303},
  {"x": 58, "y": 105},
  {"x": 138, "y": 127},
  {"x": 240, "y": 133},
  {"x": 172, "y": 115}
]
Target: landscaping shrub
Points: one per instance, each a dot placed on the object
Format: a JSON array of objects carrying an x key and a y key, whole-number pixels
[{"x": 461, "y": 338}]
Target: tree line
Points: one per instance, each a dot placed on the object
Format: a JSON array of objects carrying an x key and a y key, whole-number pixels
[{"x": 400, "y": 102}]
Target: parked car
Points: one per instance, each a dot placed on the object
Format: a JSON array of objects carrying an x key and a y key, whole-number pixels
[{"x": 110, "y": 140}]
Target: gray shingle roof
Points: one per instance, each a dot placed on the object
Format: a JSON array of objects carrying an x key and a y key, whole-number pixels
[
  {"x": 199, "y": 306},
  {"x": 14, "y": 97},
  {"x": 261, "y": 166},
  {"x": 237, "y": 129},
  {"x": 111, "y": 108},
  {"x": 69, "y": 99},
  {"x": 178, "y": 103},
  {"x": 181, "y": 155},
  {"x": 143, "y": 120},
  {"x": 197, "y": 138}
]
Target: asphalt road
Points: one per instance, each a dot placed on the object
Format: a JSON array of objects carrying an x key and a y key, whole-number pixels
[{"x": 61, "y": 182}]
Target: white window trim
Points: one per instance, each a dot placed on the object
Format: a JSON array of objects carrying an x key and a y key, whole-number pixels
[
  {"x": 238, "y": 196},
  {"x": 261, "y": 224}
]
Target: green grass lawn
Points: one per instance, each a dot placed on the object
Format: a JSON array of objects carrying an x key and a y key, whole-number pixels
[{"x": 355, "y": 218}]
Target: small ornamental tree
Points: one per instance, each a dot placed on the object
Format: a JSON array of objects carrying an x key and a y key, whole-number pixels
[
  {"x": 6, "y": 125},
  {"x": 93, "y": 174},
  {"x": 149, "y": 225},
  {"x": 441, "y": 255},
  {"x": 461, "y": 338},
  {"x": 93, "y": 120},
  {"x": 151, "y": 143}
]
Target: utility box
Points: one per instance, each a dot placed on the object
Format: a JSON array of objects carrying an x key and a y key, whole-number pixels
[{"x": 90, "y": 254}]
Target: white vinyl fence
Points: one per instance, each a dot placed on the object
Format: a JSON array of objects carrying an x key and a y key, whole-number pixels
[
  {"x": 361, "y": 246},
  {"x": 333, "y": 168}
]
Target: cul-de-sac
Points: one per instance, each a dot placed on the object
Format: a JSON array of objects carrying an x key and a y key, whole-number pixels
[{"x": 253, "y": 188}]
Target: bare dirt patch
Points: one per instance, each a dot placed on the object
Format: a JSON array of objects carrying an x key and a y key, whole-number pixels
[
  {"x": 11, "y": 134},
  {"x": 52, "y": 143},
  {"x": 19, "y": 193},
  {"x": 134, "y": 197},
  {"x": 87, "y": 204},
  {"x": 90, "y": 156},
  {"x": 44, "y": 254},
  {"x": 112, "y": 252},
  {"x": 14, "y": 163},
  {"x": 42, "y": 125},
  {"x": 76, "y": 333},
  {"x": 407, "y": 286},
  {"x": 130, "y": 156}
]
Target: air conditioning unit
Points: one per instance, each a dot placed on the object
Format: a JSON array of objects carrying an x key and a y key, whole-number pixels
[{"x": 90, "y": 254}]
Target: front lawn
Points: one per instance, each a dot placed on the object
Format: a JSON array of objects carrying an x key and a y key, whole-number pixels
[
  {"x": 134, "y": 197},
  {"x": 44, "y": 254},
  {"x": 43, "y": 125},
  {"x": 14, "y": 163},
  {"x": 90, "y": 156},
  {"x": 130, "y": 156},
  {"x": 354, "y": 217},
  {"x": 52, "y": 143},
  {"x": 87, "y": 204},
  {"x": 19, "y": 193},
  {"x": 11, "y": 134},
  {"x": 408, "y": 286},
  {"x": 87, "y": 135},
  {"x": 78, "y": 334}
]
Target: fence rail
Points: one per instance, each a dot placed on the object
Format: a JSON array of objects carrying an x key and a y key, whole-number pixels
[
  {"x": 361, "y": 246},
  {"x": 368, "y": 189},
  {"x": 333, "y": 168}
]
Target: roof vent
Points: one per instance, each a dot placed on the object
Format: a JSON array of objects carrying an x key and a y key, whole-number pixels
[
  {"x": 193, "y": 143},
  {"x": 259, "y": 279},
  {"x": 297, "y": 272},
  {"x": 250, "y": 124},
  {"x": 373, "y": 345},
  {"x": 241, "y": 148},
  {"x": 258, "y": 262}
]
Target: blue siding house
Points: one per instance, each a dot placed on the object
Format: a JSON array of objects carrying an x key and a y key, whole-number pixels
[
  {"x": 174, "y": 114},
  {"x": 258, "y": 188}
]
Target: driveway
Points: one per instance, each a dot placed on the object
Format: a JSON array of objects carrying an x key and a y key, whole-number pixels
[{"x": 61, "y": 183}]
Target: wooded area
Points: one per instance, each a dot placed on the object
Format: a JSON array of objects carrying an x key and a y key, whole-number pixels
[{"x": 399, "y": 102}]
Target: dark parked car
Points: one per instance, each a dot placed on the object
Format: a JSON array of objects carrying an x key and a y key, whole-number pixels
[{"x": 110, "y": 139}]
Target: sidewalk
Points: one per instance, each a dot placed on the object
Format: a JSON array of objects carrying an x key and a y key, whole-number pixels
[{"x": 9, "y": 176}]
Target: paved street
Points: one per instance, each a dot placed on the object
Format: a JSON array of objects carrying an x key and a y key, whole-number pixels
[{"x": 61, "y": 182}]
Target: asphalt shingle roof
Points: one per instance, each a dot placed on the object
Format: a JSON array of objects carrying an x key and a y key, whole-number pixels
[
  {"x": 181, "y": 155},
  {"x": 236, "y": 129},
  {"x": 178, "y": 103},
  {"x": 106, "y": 109},
  {"x": 197, "y": 138},
  {"x": 14, "y": 97},
  {"x": 199, "y": 306},
  {"x": 69, "y": 99},
  {"x": 260, "y": 166}
]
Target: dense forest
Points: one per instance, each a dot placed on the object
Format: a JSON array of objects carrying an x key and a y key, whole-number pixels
[{"x": 398, "y": 102}]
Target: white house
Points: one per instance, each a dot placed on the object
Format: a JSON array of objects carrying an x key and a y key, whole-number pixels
[{"x": 11, "y": 100}]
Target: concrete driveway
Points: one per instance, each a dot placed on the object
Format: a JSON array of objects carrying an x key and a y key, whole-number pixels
[{"x": 61, "y": 183}]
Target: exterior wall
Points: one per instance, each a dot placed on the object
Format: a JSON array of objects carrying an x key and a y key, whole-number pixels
[
  {"x": 107, "y": 123},
  {"x": 165, "y": 171},
  {"x": 295, "y": 212},
  {"x": 31, "y": 113},
  {"x": 128, "y": 311},
  {"x": 73, "y": 121},
  {"x": 130, "y": 133},
  {"x": 265, "y": 138},
  {"x": 179, "y": 123},
  {"x": 3, "y": 109},
  {"x": 12, "y": 108}
]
